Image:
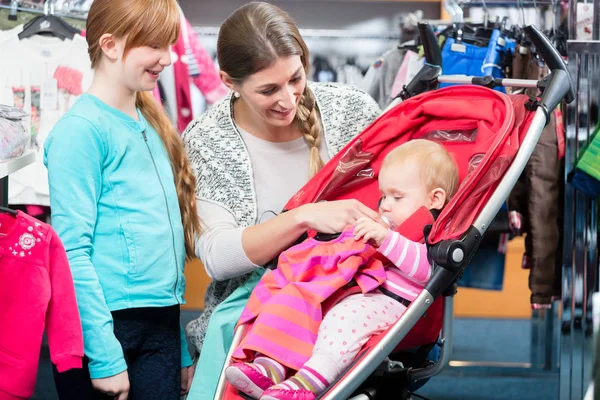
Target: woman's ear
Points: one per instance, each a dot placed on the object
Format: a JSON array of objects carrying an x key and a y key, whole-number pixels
[
  {"x": 227, "y": 81},
  {"x": 437, "y": 199},
  {"x": 109, "y": 46}
]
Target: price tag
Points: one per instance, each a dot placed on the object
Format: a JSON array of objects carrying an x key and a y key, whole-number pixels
[
  {"x": 49, "y": 95},
  {"x": 458, "y": 47}
]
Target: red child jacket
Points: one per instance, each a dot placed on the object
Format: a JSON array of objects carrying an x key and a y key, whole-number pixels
[{"x": 36, "y": 291}]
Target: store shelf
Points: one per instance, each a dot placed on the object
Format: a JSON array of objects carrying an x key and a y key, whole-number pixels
[{"x": 9, "y": 166}]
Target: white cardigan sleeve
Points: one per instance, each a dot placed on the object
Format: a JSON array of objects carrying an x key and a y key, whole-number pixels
[{"x": 219, "y": 247}]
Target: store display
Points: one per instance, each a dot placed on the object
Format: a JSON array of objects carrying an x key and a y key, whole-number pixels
[{"x": 43, "y": 75}]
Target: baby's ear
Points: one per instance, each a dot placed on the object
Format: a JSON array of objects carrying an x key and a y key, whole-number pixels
[{"x": 437, "y": 199}]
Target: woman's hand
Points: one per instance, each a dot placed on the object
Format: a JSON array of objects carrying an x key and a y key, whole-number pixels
[
  {"x": 116, "y": 386},
  {"x": 367, "y": 229},
  {"x": 187, "y": 374},
  {"x": 333, "y": 216}
]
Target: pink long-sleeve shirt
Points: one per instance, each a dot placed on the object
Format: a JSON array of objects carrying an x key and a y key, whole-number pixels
[
  {"x": 411, "y": 269},
  {"x": 36, "y": 292}
]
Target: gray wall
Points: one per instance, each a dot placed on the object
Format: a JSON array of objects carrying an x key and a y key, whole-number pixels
[
  {"x": 317, "y": 14},
  {"x": 366, "y": 17}
]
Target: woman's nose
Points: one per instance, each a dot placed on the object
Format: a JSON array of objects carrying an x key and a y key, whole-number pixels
[{"x": 288, "y": 99}]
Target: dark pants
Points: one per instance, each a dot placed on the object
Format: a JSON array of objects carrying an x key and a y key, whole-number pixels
[{"x": 151, "y": 344}]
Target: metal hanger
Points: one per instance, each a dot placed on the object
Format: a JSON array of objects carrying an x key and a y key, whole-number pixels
[{"x": 8, "y": 211}]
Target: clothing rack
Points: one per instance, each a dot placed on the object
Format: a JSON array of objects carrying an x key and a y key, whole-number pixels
[
  {"x": 509, "y": 3},
  {"x": 49, "y": 11},
  {"x": 580, "y": 274},
  {"x": 317, "y": 34},
  {"x": 545, "y": 330}
]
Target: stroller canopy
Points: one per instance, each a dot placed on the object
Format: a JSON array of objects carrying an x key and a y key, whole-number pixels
[{"x": 480, "y": 127}]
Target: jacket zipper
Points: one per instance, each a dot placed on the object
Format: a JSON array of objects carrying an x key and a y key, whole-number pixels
[{"x": 168, "y": 215}]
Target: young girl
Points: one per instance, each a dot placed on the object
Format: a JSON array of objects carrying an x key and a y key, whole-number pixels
[
  {"x": 419, "y": 173},
  {"x": 123, "y": 203}
]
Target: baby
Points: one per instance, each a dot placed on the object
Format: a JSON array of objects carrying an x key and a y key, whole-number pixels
[{"x": 419, "y": 173}]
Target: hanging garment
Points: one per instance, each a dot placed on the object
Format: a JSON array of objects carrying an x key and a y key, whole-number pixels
[
  {"x": 494, "y": 58},
  {"x": 380, "y": 77},
  {"x": 350, "y": 73},
  {"x": 36, "y": 293},
  {"x": 462, "y": 59},
  {"x": 471, "y": 60},
  {"x": 207, "y": 77},
  {"x": 191, "y": 65},
  {"x": 182, "y": 84},
  {"x": 486, "y": 269},
  {"x": 324, "y": 72},
  {"x": 44, "y": 76},
  {"x": 411, "y": 65},
  {"x": 538, "y": 196}
]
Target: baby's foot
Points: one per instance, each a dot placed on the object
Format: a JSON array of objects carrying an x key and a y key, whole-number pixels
[
  {"x": 248, "y": 378},
  {"x": 305, "y": 385},
  {"x": 284, "y": 392}
]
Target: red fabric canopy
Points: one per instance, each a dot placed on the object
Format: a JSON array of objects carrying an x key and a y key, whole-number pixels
[{"x": 480, "y": 127}]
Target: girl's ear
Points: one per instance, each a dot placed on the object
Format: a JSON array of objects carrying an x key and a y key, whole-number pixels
[
  {"x": 109, "y": 46},
  {"x": 437, "y": 199}
]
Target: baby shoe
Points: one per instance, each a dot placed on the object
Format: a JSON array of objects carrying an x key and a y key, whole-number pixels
[
  {"x": 279, "y": 393},
  {"x": 247, "y": 379}
]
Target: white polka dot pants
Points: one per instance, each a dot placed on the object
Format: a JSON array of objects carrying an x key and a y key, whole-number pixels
[{"x": 347, "y": 327}]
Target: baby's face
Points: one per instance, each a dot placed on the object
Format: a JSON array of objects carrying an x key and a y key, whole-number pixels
[{"x": 402, "y": 192}]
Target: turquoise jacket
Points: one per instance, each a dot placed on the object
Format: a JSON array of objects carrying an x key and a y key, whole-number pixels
[{"x": 115, "y": 208}]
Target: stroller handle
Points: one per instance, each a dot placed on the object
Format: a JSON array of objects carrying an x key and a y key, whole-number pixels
[
  {"x": 560, "y": 84},
  {"x": 431, "y": 47}
]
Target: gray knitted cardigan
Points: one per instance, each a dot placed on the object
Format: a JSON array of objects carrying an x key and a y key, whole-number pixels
[{"x": 223, "y": 169}]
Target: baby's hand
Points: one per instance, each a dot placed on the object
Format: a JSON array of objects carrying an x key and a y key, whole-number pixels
[{"x": 367, "y": 229}]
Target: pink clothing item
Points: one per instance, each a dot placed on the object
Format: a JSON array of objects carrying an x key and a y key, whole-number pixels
[
  {"x": 69, "y": 79},
  {"x": 36, "y": 211},
  {"x": 282, "y": 393},
  {"x": 406, "y": 72},
  {"x": 411, "y": 269},
  {"x": 286, "y": 305},
  {"x": 208, "y": 80},
  {"x": 286, "y": 392},
  {"x": 36, "y": 292},
  {"x": 182, "y": 85}
]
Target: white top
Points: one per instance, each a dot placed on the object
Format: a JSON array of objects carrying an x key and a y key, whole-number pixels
[
  {"x": 44, "y": 76},
  {"x": 279, "y": 171}
]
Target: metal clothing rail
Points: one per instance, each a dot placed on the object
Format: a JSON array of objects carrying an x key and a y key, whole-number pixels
[
  {"x": 318, "y": 34},
  {"x": 42, "y": 12},
  {"x": 509, "y": 3}
]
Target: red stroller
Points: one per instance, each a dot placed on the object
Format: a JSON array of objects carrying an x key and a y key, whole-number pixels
[{"x": 492, "y": 136}]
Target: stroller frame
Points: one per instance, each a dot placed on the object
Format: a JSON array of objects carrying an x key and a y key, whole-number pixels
[{"x": 450, "y": 257}]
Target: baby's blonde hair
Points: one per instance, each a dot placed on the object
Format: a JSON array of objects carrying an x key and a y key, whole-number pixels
[{"x": 437, "y": 167}]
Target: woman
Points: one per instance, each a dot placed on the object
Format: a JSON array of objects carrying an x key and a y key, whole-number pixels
[{"x": 251, "y": 153}]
